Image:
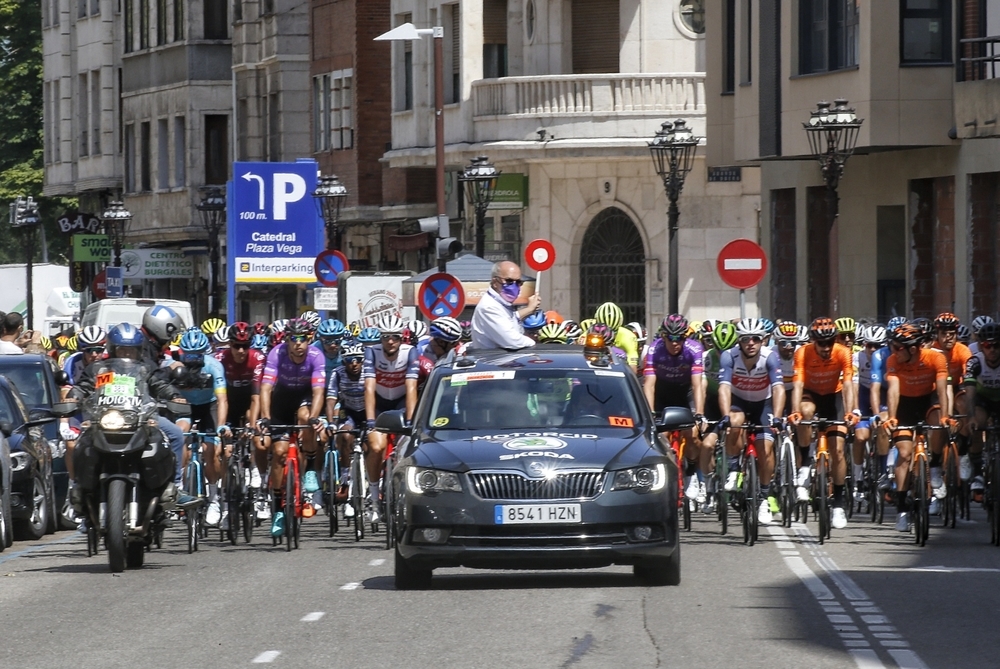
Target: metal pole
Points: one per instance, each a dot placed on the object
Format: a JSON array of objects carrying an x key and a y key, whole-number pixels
[
  {"x": 29, "y": 234},
  {"x": 442, "y": 212},
  {"x": 743, "y": 304},
  {"x": 832, "y": 206},
  {"x": 480, "y": 230},
  {"x": 673, "y": 216}
]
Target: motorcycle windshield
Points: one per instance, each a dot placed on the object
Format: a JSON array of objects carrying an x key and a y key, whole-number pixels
[{"x": 119, "y": 385}]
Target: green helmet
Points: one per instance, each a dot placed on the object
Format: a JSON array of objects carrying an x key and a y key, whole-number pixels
[
  {"x": 610, "y": 314},
  {"x": 552, "y": 333},
  {"x": 724, "y": 336}
]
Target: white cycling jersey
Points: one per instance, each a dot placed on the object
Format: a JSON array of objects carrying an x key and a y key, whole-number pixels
[{"x": 391, "y": 375}]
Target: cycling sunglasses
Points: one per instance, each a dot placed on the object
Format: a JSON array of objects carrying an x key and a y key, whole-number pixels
[
  {"x": 392, "y": 337},
  {"x": 987, "y": 346},
  {"x": 751, "y": 339},
  {"x": 188, "y": 358},
  {"x": 353, "y": 359},
  {"x": 94, "y": 350},
  {"x": 676, "y": 339},
  {"x": 299, "y": 338},
  {"x": 240, "y": 346},
  {"x": 826, "y": 343}
]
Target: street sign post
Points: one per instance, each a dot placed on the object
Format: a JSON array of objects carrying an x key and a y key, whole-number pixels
[
  {"x": 540, "y": 255},
  {"x": 440, "y": 295},
  {"x": 741, "y": 264},
  {"x": 328, "y": 266}
]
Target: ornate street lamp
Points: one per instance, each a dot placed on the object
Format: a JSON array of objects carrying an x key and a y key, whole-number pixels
[
  {"x": 480, "y": 179},
  {"x": 832, "y": 135},
  {"x": 330, "y": 194},
  {"x": 213, "y": 217},
  {"x": 673, "y": 150},
  {"x": 116, "y": 220}
]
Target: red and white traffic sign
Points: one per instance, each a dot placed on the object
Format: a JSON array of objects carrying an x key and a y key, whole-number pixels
[
  {"x": 741, "y": 264},
  {"x": 540, "y": 255},
  {"x": 328, "y": 266},
  {"x": 441, "y": 294}
]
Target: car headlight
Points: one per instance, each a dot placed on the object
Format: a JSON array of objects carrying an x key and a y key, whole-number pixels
[
  {"x": 420, "y": 480},
  {"x": 641, "y": 479},
  {"x": 19, "y": 461},
  {"x": 113, "y": 420}
]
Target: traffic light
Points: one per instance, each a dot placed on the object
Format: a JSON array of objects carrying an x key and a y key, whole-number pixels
[
  {"x": 448, "y": 247},
  {"x": 24, "y": 212}
]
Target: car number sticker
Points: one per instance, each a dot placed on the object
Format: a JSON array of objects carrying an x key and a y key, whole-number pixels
[
  {"x": 605, "y": 372},
  {"x": 620, "y": 421},
  {"x": 123, "y": 386},
  {"x": 440, "y": 422},
  {"x": 463, "y": 378}
]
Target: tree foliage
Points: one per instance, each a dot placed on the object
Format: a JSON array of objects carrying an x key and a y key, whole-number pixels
[{"x": 21, "y": 159}]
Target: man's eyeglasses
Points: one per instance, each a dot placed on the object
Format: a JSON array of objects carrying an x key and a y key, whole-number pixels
[
  {"x": 94, "y": 350},
  {"x": 354, "y": 359},
  {"x": 674, "y": 338},
  {"x": 786, "y": 344},
  {"x": 299, "y": 338},
  {"x": 241, "y": 347},
  {"x": 392, "y": 337},
  {"x": 987, "y": 345},
  {"x": 329, "y": 341},
  {"x": 751, "y": 339},
  {"x": 511, "y": 282}
]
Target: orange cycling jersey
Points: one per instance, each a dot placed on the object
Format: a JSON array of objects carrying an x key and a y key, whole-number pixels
[
  {"x": 823, "y": 376},
  {"x": 917, "y": 378},
  {"x": 956, "y": 359}
]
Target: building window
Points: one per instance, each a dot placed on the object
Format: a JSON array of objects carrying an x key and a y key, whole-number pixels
[
  {"x": 56, "y": 110},
  {"x": 145, "y": 158},
  {"x": 341, "y": 105},
  {"x": 321, "y": 87},
  {"x": 729, "y": 47},
  {"x": 143, "y": 24},
  {"x": 83, "y": 113},
  {"x": 129, "y": 157},
  {"x": 95, "y": 7},
  {"x": 925, "y": 31},
  {"x": 216, "y": 148},
  {"x": 180, "y": 152},
  {"x": 129, "y": 18},
  {"x": 454, "y": 95},
  {"x": 216, "y": 21},
  {"x": 693, "y": 15},
  {"x": 746, "y": 38},
  {"x": 529, "y": 20},
  {"x": 95, "y": 112},
  {"x": 47, "y": 120},
  {"x": 408, "y": 76},
  {"x": 237, "y": 10},
  {"x": 828, "y": 35},
  {"x": 163, "y": 154},
  {"x": 403, "y": 62},
  {"x": 54, "y": 13},
  {"x": 494, "y": 39},
  {"x": 161, "y": 22},
  {"x": 81, "y": 9},
  {"x": 178, "y": 20}
]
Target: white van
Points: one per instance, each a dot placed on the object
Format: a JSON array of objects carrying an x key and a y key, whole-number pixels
[{"x": 111, "y": 312}]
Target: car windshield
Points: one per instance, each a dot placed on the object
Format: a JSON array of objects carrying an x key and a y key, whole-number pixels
[
  {"x": 510, "y": 399},
  {"x": 30, "y": 382}
]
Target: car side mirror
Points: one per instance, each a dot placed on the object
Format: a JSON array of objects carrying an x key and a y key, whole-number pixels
[
  {"x": 674, "y": 418},
  {"x": 40, "y": 413},
  {"x": 64, "y": 409},
  {"x": 6, "y": 427},
  {"x": 62, "y": 378},
  {"x": 393, "y": 423}
]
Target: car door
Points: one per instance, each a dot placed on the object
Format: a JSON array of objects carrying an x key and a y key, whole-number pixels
[{"x": 35, "y": 436}]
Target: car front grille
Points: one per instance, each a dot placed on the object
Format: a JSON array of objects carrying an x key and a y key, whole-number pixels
[{"x": 513, "y": 486}]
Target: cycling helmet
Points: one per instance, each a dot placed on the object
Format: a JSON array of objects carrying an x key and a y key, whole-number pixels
[
  {"x": 277, "y": 338},
  {"x": 964, "y": 333},
  {"x": 352, "y": 349},
  {"x": 91, "y": 336},
  {"x": 553, "y": 317},
  {"x": 221, "y": 336},
  {"x": 803, "y": 334},
  {"x": 894, "y": 323},
  {"x": 907, "y": 334},
  {"x": 466, "y": 330},
  {"x": 946, "y": 321},
  {"x": 124, "y": 334},
  {"x": 259, "y": 342},
  {"x": 749, "y": 327},
  {"x": 674, "y": 324},
  {"x": 72, "y": 344},
  {"x": 297, "y": 327},
  {"x": 552, "y": 333},
  {"x": 161, "y": 324},
  {"x": 926, "y": 327},
  {"x": 446, "y": 329},
  {"x": 391, "y": 324},
  {"x": 610, "y": 314},
  {"x": 260, "y": 328},
  {"x": 990, "y": 332},
  {"x": 846, "y": 325},
  {"x": 585, "y": 325},
  {"x": 312, "y": 318},
  {"x": 194, "y": 341},
  {"x": 638, "y": 331},
  {"x": 874, "y": 334},
  {"x": 604, "y": 331},
  {"x": 823, "y": 328},
  {"x": 46, "y": 343},
  {"x": 278, "y": 326},
  {"x": 240, "y": 333},
  {"x": 418, "y": 329},
  {"x": 331, "y": 328},
  {"x": 787, "y": 331},
  {"x": 534, "y": 321},
  {"x": 708, "y": 326},
  {"x": 979, "y": 321},
  {"x": 768, "y": 325},
  {"x": 354, "y": 328},
  {"x": 370, "y": 336},
  {"x": 724, "y": 336},
  {"x": 212, "y": 325}
]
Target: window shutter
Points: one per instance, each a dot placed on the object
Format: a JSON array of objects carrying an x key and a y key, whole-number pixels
[
  {"x": 596, "y": 39},
  {"x": 494, "y": 21}
]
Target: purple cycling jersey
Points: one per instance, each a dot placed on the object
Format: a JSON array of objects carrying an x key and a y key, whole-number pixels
[
  {"x": 279, "y": 370},
  {"x": 674, "y": 369}
]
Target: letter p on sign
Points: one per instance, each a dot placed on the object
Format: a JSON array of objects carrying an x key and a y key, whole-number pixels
[{"x": 283, "y": 196}]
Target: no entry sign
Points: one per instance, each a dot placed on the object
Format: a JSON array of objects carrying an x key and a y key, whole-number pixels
[
  {"x": 440, "y": 295},
  {"x": 741, "y": 264}
]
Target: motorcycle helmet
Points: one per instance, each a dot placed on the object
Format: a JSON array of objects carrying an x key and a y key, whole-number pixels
[
  {"x": 161, "y": 324},
  {"x": 124, "y": 335}
]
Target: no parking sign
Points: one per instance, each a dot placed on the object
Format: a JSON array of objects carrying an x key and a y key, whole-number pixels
[{"x": 440, "y": 295}]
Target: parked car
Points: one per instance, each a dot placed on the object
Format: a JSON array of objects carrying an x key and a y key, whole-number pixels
[
  {"x": 37, "y": 380},
  {"x": 6, "y": 517},
  {"x": 32, "y": 491}
]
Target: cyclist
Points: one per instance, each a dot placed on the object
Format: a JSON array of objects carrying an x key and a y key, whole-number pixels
[
  {"x": 243, "y": 368},
  {"x": 202, "y": 382},
  {"x": 641, "y": 338},
  {"x": 610, "y": 314},
  {"x": 787, "y": 340},
  {"x": 751, "y": 389},
  {"x": 722, "y": 338},
  {"x": 982, "y": 386},
  {"x": 292, "y": 390},
  {"x": 212, "y": 325},
  {"x": 847, "y": 332},
  {"x": 160, "y": 325},
  {"x": 418, "y": 334},
  {"x": 91, "y": 342},
  {"x": 445, "y": 336},
  {"x": 917, "y": 382},
  {"x": 823, "y": 369},
  {"x": 552, "y": 333},
  {"x": 329, "y": 334},
  {"x": 872, "y": 403},
  {"x": 312, "y": 318},
  {"x": 964, "y": 334},
  {"x": 391, "y": 373},
  {"x": 369, "y": 337},
  {"x": 345, "y": 401}
]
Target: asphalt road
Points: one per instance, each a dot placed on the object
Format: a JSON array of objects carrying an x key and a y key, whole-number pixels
[{"x": 868, "y": 598}]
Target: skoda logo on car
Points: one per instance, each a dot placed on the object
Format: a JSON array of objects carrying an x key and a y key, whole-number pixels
[{"x": 534, "y": 444}]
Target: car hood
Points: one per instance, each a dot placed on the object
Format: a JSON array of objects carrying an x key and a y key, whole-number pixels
[{"x": 572, "y": 449}]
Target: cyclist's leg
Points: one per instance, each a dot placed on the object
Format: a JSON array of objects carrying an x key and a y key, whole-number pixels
[
  {"x": 183, "y": 425},
  {"x": 279, "y": 446}
]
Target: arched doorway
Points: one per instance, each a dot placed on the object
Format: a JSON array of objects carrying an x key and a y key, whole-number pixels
[{"x": 613, "y": 266}]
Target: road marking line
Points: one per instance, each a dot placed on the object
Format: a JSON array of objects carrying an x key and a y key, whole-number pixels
[
  {"x": 266, "y": 656},
  {"x": 840, "y": 619},
  {"x": 895, "y": 644},
  {"x": 866, "y": 659},
  {"x": 856, "y": 644},
  {"x": 377, "y": 562},
  {"x": 809, "y": 578},
  {"x": 953, "y": 570},
  {"x": 312, "y": 617},
  {"x": 32, "y": 549},
  {"x": 350, "y": 586},
  {"x": 907, "y": 659}
]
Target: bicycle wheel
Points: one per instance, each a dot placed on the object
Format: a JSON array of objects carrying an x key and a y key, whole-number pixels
[
  {"x": 822, "y": 499},
  {"x": 921, "y": 517},
  {"x": 787, "y": 470},
  {"x": 387, "y": 505},
  {"x": 749, "y": 494},
  {"x": 191, "y": 513},
  {"x": 247, "y": 520},
  {"x": 849, "y": 482},
  {"x": 234, "y": 499},
  {"x": 357, "y": 497},
  {"x": 953, "y": 484},
  {"x": 722, "y": 499},
  {"x": 289, "y": 510},
  {"x": 332, "y": 476}
]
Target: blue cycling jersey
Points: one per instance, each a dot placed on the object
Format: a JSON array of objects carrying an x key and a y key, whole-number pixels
[
  {"x": 879, "y": 358},
  {"x": 198, "y": 396}
]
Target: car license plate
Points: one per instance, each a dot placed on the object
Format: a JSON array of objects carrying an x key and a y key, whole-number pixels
[{"x": 530, "y": 514}]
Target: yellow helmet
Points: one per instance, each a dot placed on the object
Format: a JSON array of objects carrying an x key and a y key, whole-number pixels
[
  {"x": 46, "y": 343},
  {"x": 71, "y": 344},
  {"x": 212, "y": 325},
  {"x": 586, "y": 323}
]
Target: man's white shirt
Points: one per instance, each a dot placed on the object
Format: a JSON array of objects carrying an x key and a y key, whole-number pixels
[{"x": 495, "y": 324}]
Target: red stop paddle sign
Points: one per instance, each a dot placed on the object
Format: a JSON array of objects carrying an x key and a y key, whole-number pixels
[{"x": 540, "y": 255}]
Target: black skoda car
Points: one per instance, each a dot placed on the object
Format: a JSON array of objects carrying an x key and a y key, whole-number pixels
[{"x": 545, "y": 458}]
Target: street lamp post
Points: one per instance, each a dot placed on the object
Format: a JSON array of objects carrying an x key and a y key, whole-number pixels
[
  {"x": 331, "y": 193},
  {"x": 673, "y": 151},
  {"x": 213, "y": 216},
  {"x": 116, "y": 220},
  {"x": 480, "y": 179},
  {"x": 832, "y": 135},
  {"x": 24, "y": 216}
]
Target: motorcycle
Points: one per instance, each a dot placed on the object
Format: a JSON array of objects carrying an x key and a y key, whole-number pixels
[{"x": 123, "y": 463}]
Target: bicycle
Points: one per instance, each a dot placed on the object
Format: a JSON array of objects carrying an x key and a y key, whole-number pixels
[
  {"x": 292, "y": 504},
  {"x": 715, "y": 480},
  {"x": 991, "y": 496},
  {"x": 749, "y": 484},
  {"x": 821, "y": 487},
  {"x": 240, "y": 497},
  {"x": 331, "y": 476},
  {"x": 677, "y": 443},
  {"x": 784, "y": 477},
  {"x": 196, "y": 486},
  {"x": 870, "y": 475},
  {"x": 920, "y": 484},
  {"x": 954, "y": 490}
]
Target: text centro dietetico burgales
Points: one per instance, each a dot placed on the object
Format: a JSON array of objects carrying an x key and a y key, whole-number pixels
[{"x": 273, "y": 242}]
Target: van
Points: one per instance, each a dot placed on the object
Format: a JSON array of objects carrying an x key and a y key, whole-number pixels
[{"x": 111, "y": 312}]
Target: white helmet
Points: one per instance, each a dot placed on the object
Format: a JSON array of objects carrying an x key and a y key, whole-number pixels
[
  {"x": 91, "y": 336},
  {"x": 751, "y": 327},
  {"x": 979, "y": 321},
  {"x": 874, "y": 334},
  {"x": 418, "y": 329},
  {"x": 391, "y": 324}
]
